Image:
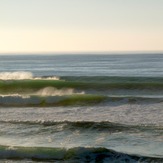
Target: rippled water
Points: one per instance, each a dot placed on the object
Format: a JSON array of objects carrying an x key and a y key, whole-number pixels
[{"x": 83, "y": 108}]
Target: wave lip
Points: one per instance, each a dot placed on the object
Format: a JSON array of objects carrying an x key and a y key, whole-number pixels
[
  {"x": 22, "y": 75},
  {"x": 15, "y": 75},
  {"x": 51, "y": 91},
  {"x": 78, "y": 154}
]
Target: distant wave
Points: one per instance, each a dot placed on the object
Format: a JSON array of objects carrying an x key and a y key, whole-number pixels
[
  {"x": 35, "y": 83},
  {"x": 21, "y": 75},
  {"x": 68, "y": 98},
  {"x": 112, "y": 79},
  {"x": 78, "y": 154},
  {"x": 44, "y": 101},
  {"x": 51, "y": 91},
  {"x": 22, "y": 89},
  {"x": 15, "y": 75}
]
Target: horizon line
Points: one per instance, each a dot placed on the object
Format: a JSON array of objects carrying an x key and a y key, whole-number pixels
[{"x": 82, "y": 52}]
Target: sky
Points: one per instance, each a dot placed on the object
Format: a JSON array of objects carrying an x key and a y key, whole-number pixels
[{"x": 52, "y": 26}]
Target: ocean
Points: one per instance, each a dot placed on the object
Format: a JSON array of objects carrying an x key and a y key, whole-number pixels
[{"x": 81, "y": 108}]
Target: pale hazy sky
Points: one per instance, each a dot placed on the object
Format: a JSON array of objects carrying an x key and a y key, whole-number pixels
[{"x": 32, "y": 26}]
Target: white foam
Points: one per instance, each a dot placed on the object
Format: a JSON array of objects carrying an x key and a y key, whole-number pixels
[
  {"x": 15, "y": 95},
  {"x": 51, "y": 91},
  {"x": 15, "y": 75},
  {"x": 48, "y": 78},
  {"x": 20, "y": 75}
]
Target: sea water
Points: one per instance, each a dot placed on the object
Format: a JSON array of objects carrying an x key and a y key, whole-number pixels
[{"x": 81, "y": 108}]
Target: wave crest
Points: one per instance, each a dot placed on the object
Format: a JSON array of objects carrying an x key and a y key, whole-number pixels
[
  {"x": 51, "y": 91},
  {"x": 21, "y": 75},
  {"x": 15, "y": 75}
]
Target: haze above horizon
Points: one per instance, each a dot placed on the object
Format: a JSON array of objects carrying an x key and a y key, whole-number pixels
[{"x": 69, "y": 26}]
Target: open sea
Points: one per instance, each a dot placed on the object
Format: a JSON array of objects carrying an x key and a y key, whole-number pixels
[{"x": 81, "y": 108}]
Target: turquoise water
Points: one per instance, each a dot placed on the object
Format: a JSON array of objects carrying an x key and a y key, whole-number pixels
[{"x": 83, "y": 108}]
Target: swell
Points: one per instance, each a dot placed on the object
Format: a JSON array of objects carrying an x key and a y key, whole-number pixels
[
  {"x": 27, "y": 86},
  {"x": 78, "y": 154},
  {"x": 45, "y": 101},
  {"x": 70, "y": 91},
  {"x": 112, "y": 79},
  {"x": 73, "y": 100}
]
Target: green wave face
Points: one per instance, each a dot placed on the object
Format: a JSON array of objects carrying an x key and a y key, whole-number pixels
[
  {"x": 71, "y": 100},
  {"x": 73, "y": 91},
  {"x": 89, "y": 83},
  {"x": 78, "y": 154}
]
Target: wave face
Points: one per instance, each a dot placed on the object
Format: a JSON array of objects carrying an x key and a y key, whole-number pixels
[
  {"x": 44, "y": 101},
  {"x": 80, "y": 141},
  {"x": 66, "y": 91},
  {"x": 88, "y": 83},
  {"x": 70, "y": 155}
]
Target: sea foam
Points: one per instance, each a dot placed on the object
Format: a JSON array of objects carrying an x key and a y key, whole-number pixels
[
  {"x": 21, "y": 75},
  {"x": 51, "y": 91},
  {"x": 15, "y": 75}
]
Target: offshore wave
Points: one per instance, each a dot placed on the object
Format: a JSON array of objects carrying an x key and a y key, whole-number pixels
[
  {"x": 51, "y": 91},
  {"x": 22, "y": 89},
  {"x": 15, "y": 75},
  {"x": 34, "y": 85},
  {"x": 21, "y": 75},
  {"x": 44, "y": 101},
  {"x": 78, "y": 154},
  {"x": 112, "y": 79},
  {"x": 68, "y": 98}
]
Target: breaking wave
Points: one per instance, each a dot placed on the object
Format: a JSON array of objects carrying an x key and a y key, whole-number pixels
[
  {"x": 18, "y": 82},
  {"x": 22, "y": 89},
  {"x": 48, "y": 97},
  {"x": 21, "y": 75},
  {"x": 78, "y": 154},
  {"x": 15, "y": 75},
  {"x": 44, "y": 101},
  {"x": 51, "y": 91}
]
